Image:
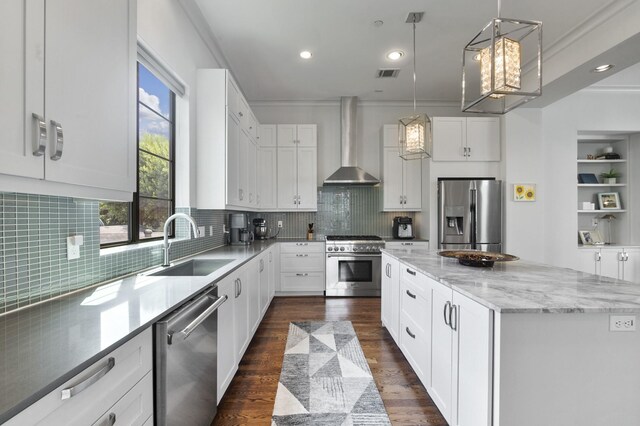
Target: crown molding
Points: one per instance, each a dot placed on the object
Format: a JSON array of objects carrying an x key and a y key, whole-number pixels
[
  {"x": 367, "y": 103},
  {"x": 204, "y": 31}
]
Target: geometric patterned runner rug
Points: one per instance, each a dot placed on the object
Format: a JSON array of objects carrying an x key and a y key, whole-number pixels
[{"x": 325, "y": 379}]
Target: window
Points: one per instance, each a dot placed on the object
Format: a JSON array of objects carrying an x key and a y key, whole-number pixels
[{"x": 154, "y": 201}]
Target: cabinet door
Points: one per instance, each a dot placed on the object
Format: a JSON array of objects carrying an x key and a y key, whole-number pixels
[
  {"x": 412, "y": 183},
  {"x": 392, "y": 191},
  {"x": 483, "y": 139},
  {"x": 274, "y": 260},
  {"x": 439, "y": 385},
  {"x": 90, "y": 91},
  {"x": 227, "y": 362},
  {"x": 473, "y": 363},
  {"x": 631, "y": 269},
  {"x": 233, "y": 98},
  {"x": 22, "y": 50},
  {"x": 251, "y": 167},
  {"x": 267, "y": 135},
  {"x": 245, "y": 114},
  {"x": 307, "y": 135},
  {"x": 390, "y": 136},
  {"x": 307, "y": 177},
  {"x": 241, "y": 313},
  {"x": 611, "y": 266},
  {"x": 264, "y": 284},
  {"x": 287, "y": 177},
  {"x": 267, "y": 177},
  {"x": 588, "y": 261},
  {"x": 233, "y": 161},
  {"x": 287, "y": 135},
  {"x": 449, "y": 136},
  {"x": 253, "y": 288},
  {"x": 390, "y": 296},
  {"x": 415, "y": 327},
  {"x": 243, "y": 169}
]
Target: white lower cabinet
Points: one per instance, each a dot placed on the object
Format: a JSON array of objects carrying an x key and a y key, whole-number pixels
[
  {"x": 263, "y": 284},
  {"x": 253, "y": 289},
  {"x": 132, "y": 409},
  {"x": 613, "y": 262},
  {"x": 390, "y": 296},
  {"x": 447, "y": 339},
  {"x": 74, "y": 404},
  {"x": 227, "y": 363},
  {"x": 302, "y": 267},
  {"x": 241, "y": 313}
]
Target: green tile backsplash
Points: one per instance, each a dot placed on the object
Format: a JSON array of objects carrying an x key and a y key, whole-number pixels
[{"x": 34, "y": 228}]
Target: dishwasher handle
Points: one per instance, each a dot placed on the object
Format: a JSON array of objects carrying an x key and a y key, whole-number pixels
[{"x": 203, "y": 316}]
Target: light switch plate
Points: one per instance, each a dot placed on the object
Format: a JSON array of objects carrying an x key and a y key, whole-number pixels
[
  {"x": 201, "y": 231},
  {"x": 73, "y": 250}
]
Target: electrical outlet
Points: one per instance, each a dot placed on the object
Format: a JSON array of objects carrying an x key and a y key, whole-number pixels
[
  {"x": 622, "y": 323},
  {"x": 201, "y": 230},
  {"x": 279, "y": 224},
  {"x": 210, "y": 230}
]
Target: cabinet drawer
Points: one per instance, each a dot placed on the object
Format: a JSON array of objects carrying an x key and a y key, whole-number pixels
[
  {"x": 134, "y": 408},
  {"x": 132, "y": 361},
  {"x": 302, "y": 262},
  {"x": 415, "y": 303},
  {"x": 302, "y": 281},
  {"x": 418, "y": 281},
  {"x": 415, "y": 345},
  {"x": 302, "y": 247}
]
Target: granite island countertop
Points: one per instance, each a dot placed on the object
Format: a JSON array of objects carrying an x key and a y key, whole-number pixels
[
  {"x": 527, "y": 287},
  {"x": 45, "y": 345}
]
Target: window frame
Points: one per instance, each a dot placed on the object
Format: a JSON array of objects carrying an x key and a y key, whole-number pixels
[{"x": 134, "y": 205}]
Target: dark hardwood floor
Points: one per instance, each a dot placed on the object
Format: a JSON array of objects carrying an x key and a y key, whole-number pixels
[{"x": 250, "y": 397}]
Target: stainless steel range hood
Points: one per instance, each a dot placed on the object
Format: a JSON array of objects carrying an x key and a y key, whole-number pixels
[{"x": 349, "y": 173}]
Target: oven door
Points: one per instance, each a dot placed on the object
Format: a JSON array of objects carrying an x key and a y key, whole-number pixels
[{"x": 353, "y": 275}]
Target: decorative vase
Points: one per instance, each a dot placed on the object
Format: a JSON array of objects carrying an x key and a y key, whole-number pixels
[{"x": 610, "y": 181}]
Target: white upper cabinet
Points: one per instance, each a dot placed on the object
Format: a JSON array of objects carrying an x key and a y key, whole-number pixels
[
  {"x": 83, "y": 88},
  {"x": 226, "y": 144},
  {"x": 401, "y": 179},
  {"x": 267, "y": 181},
  {"x": 297, "y": 167},
  {"x": 466, "y": 139},
  {"x": 267, "y": 135}
]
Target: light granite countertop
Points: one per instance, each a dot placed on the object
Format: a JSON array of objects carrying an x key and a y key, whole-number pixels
[
  {"x": 47, "y": 344},
  {"x": 527, "y": 287}
]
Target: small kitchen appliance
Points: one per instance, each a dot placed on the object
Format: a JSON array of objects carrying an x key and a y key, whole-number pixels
[
  {"x": 403, "y": 228},
  {"x": 353, "y": 265},
  {"x": 238, "y": 233},
  {"x": 260, "y": 229}
]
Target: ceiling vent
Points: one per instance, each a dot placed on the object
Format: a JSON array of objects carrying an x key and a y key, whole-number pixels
[{"x": 388, "y": 72}]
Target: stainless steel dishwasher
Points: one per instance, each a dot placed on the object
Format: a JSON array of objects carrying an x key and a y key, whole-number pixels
[{"x": 186, "y": 363}]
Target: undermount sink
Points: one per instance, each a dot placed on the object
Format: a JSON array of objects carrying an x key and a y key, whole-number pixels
[{"x": 195, "y": 267}]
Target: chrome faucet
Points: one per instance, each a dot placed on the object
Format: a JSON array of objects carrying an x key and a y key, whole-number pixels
[{"x": 167, "y": 244}]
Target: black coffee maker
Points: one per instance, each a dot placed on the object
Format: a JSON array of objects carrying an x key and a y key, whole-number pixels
[{"x": 403, "y": 228}]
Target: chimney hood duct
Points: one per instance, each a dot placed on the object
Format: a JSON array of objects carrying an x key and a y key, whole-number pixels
[{"x": 349, "y": 173}]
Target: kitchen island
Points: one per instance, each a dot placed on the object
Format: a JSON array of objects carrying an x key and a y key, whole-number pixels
[{"x": 516, "y": 344}]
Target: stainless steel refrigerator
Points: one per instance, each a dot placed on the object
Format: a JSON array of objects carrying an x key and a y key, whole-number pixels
[{"x": 470, "y": 214}]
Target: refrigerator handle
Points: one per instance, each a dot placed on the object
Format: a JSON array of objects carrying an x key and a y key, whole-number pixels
[{"x": 473, "y": 193}]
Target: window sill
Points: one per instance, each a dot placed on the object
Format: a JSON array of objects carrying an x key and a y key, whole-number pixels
[{"x": 130, "y": 247}]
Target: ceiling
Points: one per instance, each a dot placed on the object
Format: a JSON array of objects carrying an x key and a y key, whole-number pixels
[{"x": 261, "y": 40}]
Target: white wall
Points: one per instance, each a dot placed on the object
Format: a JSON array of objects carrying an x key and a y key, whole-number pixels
[{"x": 165, "y": 27}]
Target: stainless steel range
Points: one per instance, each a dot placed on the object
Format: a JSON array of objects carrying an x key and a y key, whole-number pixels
[{"x": 353, "y": 265}]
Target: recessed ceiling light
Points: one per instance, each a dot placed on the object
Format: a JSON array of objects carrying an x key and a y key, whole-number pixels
[
  {"x": 305, "y": 54},
  {"x": 395, "y": 55},
  {"x": 603, "y": 68}
]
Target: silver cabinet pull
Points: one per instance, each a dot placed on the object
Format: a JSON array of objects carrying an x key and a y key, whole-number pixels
[
  {"x": 261, "y": 265},
  {"x": 411, "y": 295},
  {"x": 407, "y": 244},
  {"x": 453, "y": 315},
  {"x": 39, "y": 136},
  {"x": 57, "y": 142},
  {"x": 302, "y": 275},
  {"x": 299, "y": 199},
  {"x": 401, "y": 199},
  {"x": 237, "y": 288},
  {"x": 109, "y": 421},
  {"x": 413, "y": 336},
  {"x": 302, "y": 244},
  {"x": 598, "y": 257},
  {"x": 302, "y": 255},
  {"x": 74, "y": 390},
  {"x": 446, "y": 309},
  {"x": 469, "y": 152},
  {"x": 203, "y": 316},
  {"x": 405, "y": 200},
  {"x": 240, "y": 285},
  {"x": 409, "y": 271},
  {"x": 240, "y": 114}
]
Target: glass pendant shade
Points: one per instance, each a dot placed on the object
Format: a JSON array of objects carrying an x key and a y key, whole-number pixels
[
  {"x": 414, "y": 137},
  {"x": 502, "y": 66}
]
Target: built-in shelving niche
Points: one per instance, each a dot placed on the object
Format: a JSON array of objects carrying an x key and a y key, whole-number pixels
[{"x": 624, "y": 230}]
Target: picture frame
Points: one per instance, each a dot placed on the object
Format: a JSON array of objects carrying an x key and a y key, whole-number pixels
[
  {"x": 524, "y": 192},
  {"x": 609, "y": 201},
  {"x": 590, "y": 237}
]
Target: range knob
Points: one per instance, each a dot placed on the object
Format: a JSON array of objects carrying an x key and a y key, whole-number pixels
[
  {"x": 330, "y": 248},
  {"x": 341, "y": 248},
  {"x": 355, "y": 249}
]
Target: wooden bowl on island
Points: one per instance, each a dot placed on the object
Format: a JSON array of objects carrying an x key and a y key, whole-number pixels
[{"x": 477, "y": 258}]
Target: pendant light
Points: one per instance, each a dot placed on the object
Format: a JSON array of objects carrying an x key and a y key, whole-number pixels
[
  {"x": 414, "y": 132},
  {"x": 502, "y": 66}
]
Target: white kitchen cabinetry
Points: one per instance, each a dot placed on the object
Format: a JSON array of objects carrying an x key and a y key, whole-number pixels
[
  {"x": 88, "y": 143},
  {"x": 264, "y": 283},
  {"x": 302, "y": 267},
  {"x": 297, "y": 167},
  {"x": 401, "y": 180},
  {"x": 241, "y": 312},
  {"x": 390, "y": 296},
  {"x": 267, "y": 180},
  {"x": 227, "y": 362},
  {"x": 466, "y": 139},
  {"x": 613, "y": 262},
  {"x": 407, "y": 245},
  {"x": 274, "y": 269},
  {"x": 253, "y": 289},
  {"x": 127, "y": 379},
  {"x": 226, "y": 143}
]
